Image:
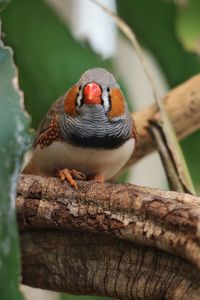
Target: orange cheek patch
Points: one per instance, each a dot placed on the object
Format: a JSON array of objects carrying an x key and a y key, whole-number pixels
[
  {"x": 70, "y": 101},
  {"x": 117, "y": 103}
]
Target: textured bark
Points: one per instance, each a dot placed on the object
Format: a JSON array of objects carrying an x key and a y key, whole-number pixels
[
  {"x": 120, "y": 237},
  {"x": 91, "y": 264},
  {"x": 183, "y": 106}
]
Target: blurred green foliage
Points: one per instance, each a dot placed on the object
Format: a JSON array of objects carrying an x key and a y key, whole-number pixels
[
  {"x": 188, "y": 25},
  {"x": 153, "y": 22},
  {"x": 50, "y": 61},
  {"x": 3, "y": 3}
]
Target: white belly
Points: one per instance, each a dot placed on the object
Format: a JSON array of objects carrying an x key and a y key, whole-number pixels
[{"x": 89, "y": 161}]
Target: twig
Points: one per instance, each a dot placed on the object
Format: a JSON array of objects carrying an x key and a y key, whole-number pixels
[{"x": 170, "y": 167}]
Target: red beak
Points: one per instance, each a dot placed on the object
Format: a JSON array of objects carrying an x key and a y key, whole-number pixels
[{"x": 92, "y": 93}]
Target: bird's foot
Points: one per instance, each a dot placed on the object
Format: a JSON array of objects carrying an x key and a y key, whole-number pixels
[
  {"x": 98, "y": 178},
  {"x": 70, "y": 175}
]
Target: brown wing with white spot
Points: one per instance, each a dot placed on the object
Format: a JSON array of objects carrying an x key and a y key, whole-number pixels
[{"x": 48, "y": 130}]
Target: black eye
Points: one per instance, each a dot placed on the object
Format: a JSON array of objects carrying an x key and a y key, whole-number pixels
[
  {"x": 108, "y": 89},
  {"x": 79, "y": 87}
]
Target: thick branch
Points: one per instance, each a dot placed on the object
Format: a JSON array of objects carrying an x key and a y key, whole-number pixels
[
  {"x": 84, "y": 263},
  {"x": 183, "y": 106},
  {"x": 112, "y": 257}
]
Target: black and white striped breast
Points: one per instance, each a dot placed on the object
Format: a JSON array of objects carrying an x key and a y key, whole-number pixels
[{"x": 91, "y": 128}]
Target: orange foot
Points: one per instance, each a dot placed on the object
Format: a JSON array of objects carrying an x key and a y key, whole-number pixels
[
  {"x": 98, "y": 178},
  {"x": 70, "y": 175}
]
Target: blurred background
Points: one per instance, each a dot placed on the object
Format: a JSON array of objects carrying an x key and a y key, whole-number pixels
[{"x": 55, "y": 41}]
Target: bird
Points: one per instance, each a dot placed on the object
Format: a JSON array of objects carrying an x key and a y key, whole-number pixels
[{"x": 87, "y": 134}]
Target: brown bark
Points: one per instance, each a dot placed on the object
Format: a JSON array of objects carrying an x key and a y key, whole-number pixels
[
  {"x": 84, "y": 263},
  {"x": 109, "y": 239},
  {"x": 183, "y": 106}
]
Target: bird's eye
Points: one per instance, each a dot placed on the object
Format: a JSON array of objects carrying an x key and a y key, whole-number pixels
[
  {"x": 108, "y": 89},
  {"x": 79, "y": 87}
]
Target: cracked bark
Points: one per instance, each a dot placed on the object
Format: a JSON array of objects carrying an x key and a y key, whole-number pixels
[
  {"x": 91, "y": 264},
  {"x": 122, "y": 241},
  {"x": 116, "y": 240}
]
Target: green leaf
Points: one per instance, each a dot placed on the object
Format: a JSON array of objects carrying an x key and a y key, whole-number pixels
[
  {"x": 188, "y": 25},
  {"x": 13, "y": 144},
  {"x": 13, "y": 140},
  {"x": 50, "y": 61}
]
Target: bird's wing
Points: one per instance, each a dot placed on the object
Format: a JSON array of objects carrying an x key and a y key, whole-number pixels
[{"x": 48, "y": 130}]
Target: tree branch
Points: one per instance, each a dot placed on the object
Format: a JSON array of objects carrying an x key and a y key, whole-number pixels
[
  {"x": 88, "y": 264},
  {"x": 109, "y": 239},
  {"x": 183, "y": 106}
]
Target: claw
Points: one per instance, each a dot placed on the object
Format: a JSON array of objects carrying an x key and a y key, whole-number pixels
[
  {"x": 70, "y": 175},
  {"x": 66, "y": 174},
  {"x": 98, "y": 178},
  {"x": 78, "y": 175}
]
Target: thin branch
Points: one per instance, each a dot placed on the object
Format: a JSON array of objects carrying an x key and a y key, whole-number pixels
[
  {"x": 167, "y": 160},
  {"x": 108, "y": 251},
  {"x": 170, "y": 165}
]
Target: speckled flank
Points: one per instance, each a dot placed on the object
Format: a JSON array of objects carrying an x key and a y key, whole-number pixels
[{"x": 50, "y": 135}]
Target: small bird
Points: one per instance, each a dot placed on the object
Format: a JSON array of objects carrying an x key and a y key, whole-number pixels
[{"x": 87, "y": 134}]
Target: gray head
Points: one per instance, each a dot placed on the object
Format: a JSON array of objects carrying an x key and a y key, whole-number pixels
[
  {"x": 95, "y": 86},
  {"x": 95, "y": 112},
  {"x": 100, "y": 76}
]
